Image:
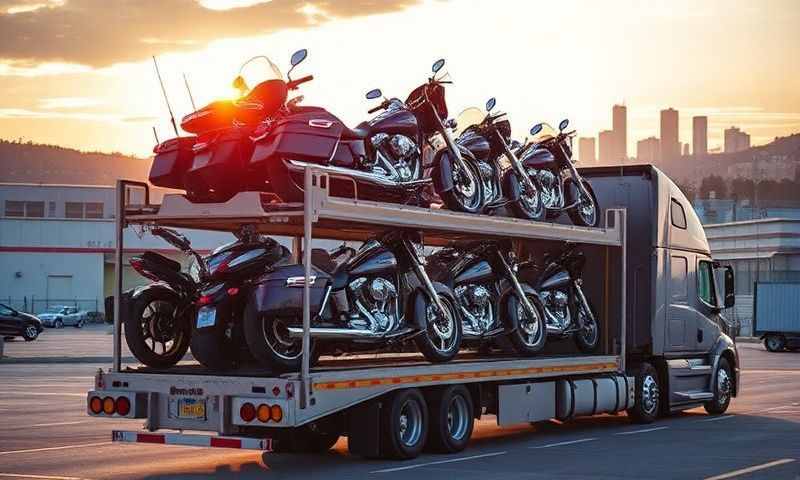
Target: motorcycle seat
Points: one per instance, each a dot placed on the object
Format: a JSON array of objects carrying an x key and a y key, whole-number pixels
[
  {"x": 321, "y": 259},
  {"x": 360, "y": 132}
]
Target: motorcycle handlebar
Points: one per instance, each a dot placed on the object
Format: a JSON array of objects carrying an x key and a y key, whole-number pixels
[
  {"x": 382, "y": 106},
  {"x": 296, "y": 83}
]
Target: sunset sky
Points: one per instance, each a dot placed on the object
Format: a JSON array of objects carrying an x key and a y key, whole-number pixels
[{"x": 78, "y": 72}]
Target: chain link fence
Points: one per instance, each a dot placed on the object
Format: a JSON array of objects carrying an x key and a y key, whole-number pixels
[{"x": 92, "y": 306}]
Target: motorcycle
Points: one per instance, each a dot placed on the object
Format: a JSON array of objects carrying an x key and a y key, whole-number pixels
[
  {"x": 547, "y": 158},
  {"x": 217, "y": 337},
  {"x": 158, "y": 316},
  {"x": 381, "y": 159},
  {"x": 567, "y": 310},
  {"x": 486, "y": 147},
  {"x": 378, "y": 297},
  {"x": 493, "y": 303}
]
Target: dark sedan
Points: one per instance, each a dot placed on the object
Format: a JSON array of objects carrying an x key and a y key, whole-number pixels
[{"x": 19, "y": 324}]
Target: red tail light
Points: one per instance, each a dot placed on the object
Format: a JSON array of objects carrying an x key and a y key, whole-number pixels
[
  {"x": 233, "y": 291},
  {"x": 123, "y": 406},
  {"x": 204, "y": 300},
  {"x": 96, "y": 405},
  {"x": 247, "y": 412}
]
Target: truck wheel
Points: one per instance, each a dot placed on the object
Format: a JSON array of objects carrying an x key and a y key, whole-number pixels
[
  {"x": 723, "y": 389},
  {"x": 451, "y": 420},
  {"x": 774, "y": 343},
  {"x": 647, "y": 395},
  {"x": 404, "y": 425}
]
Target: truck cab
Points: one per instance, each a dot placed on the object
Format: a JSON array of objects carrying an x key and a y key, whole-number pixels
[{"x": 677, "y": 331}]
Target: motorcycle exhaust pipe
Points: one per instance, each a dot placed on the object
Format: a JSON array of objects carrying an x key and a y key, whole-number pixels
[
  {"x": 345, "y": 333},
  {"x": 297, "y": 166}
]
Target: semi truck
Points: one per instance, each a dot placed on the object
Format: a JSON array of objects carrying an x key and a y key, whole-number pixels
[{"x": 649, "y": 274}]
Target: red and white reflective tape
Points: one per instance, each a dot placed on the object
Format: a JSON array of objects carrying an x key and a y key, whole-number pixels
[{"x": 263, "y": 444}]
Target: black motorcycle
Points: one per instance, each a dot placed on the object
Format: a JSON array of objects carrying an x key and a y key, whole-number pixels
[
  {"x": 486, "y": 147},
  {"x": 217, "y": 337},
  {"x": 381, "y": 159},
  {"x": 493, "y": 303},
  {"x": 377, "y": 297},
  {"x": 567, "y": 310},
  {"x": 158, "y": 317},
  {"x": 548, "y": 160}
]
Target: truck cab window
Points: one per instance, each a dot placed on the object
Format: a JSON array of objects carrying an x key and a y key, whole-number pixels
[
  {"x": 677, "y": 214},
  {"x": 705, "y": 283}
]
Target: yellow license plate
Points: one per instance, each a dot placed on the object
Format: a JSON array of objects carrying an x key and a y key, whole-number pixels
[{"x": 192, "y": 408}]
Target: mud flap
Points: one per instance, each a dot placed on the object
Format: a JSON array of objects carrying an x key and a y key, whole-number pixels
[{"x": 364, "y": 431}]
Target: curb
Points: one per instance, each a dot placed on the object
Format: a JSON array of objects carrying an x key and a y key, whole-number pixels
[{"x": 748, "y": 340}]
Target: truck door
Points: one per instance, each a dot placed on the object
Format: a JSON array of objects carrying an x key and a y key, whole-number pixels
[
  {"x": 679, "y": 312},
  {"x": 707, "y": 322}
]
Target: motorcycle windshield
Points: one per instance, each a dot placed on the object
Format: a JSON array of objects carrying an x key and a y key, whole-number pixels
[
  {"x": 545, "y": 134},
  {"x": 467, "y": 118},
  {"x": 259, "y": 69}
]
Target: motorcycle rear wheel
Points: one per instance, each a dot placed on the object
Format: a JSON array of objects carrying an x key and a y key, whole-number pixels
[
  {"x": 151, "y": 322},
  {"x": 268, "y": 342}
]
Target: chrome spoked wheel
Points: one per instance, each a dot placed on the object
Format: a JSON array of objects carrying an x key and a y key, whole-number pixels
[
  {"x": 650, "y": 395},
  {"x": 723, "y": 386},
  {"x": 587, "y": 211},
  {"x": 458, "y": 418},
  {"x": 530, "y": 326},
  {"x": 276, "y": 334},
  {"x": 158, "y": 326},
  {"x": 31, "y": 332},
  {"x": 466, "y": 186},
  {"x": 442, "y": 325},
  {"x": 410, "y": 423},
  {"x": 590, "y": 332}
]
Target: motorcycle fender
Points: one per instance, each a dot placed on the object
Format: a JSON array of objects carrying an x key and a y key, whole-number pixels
[
  {"x": 419, "y": 303},
  {"x": 443, "y": 171},
  {"x": 511, "y": 186},
  {"x": 508, "y": 299},
  {"x": 138, "y": 291}
]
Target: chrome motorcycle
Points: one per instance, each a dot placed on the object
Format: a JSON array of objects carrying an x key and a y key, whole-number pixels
[{"x": 547, "y": 158}]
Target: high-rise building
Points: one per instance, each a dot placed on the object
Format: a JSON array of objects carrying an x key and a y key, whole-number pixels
[
  {"x": 647, "y": 151},
  {"x": 619, "y": 124},
  {"x": 700, "y": 136},
  {"x": 670, "y": 145},
  {"x": 736, "y": 140},
  {"x": 586, "y": 151},
  {"x": 685, "y": 149},
  {"x": 606, "y": 148}
]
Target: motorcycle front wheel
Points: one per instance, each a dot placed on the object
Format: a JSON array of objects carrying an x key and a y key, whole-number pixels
[
  {"x": 587, "y": 213},
  {"x": 442, "y": 337},
  {"x": 268, "y": 340},
  {"x": 588, "y": 338},
  {"x": 466, "y": 195},
  {"x": 154, "y": 332},
  {"x": 531, "y": 333},
  {"x": 530, "y": 205}
]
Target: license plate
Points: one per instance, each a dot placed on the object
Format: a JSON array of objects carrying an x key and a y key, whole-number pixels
[
  {"x": 206, "y": 317},
  {"x": 190, "y": 408}
]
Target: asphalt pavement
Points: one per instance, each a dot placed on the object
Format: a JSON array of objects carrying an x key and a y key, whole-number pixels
[{"x": 45, "y": 433}]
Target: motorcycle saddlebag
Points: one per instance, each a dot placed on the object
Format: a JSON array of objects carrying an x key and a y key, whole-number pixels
[
  {"x": 172, "y": 159},
  {"x": 218, "y": 167},
  {"x": 310, "y": 135},
  {"x": 274, "y": 296}
]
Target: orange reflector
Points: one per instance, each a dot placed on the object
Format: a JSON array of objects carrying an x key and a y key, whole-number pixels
[
  {"x": 247, "y": 412},
  {"x": 123, "y": 406},
  {"x": 96, "y": 405},
  {"x": 276, "y": 412},
  {"x": 108, "y": 406},
  {"x": 263, "y": 413}
]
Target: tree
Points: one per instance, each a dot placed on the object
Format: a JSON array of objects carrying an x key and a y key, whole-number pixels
[
  {"x": 713, "y": 183},
  {"x": 743, "y": 188}
]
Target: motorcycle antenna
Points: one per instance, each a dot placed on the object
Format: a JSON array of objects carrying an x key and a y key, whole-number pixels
[
  {"x": 166, "y": 99},
  {"x": 155, "y": 134},
  {"x": 189, "y": 90}
]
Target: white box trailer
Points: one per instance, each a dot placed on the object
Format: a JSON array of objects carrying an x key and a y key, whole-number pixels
[{"x": 377, "y": 401}]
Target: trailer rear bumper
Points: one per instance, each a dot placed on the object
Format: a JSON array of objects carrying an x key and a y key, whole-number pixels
[{"x": 192, "y": 440}]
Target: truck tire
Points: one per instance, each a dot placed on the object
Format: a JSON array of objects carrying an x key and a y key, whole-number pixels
[
  {"x": 451, "y": 419},
  {"x": 404, "y": 425},
  {"x": 647, "y": 395},
  {"x": 723, "y": 389},
  {"x": 774, "y": 343}
]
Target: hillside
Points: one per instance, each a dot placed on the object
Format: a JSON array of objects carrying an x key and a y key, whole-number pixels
[{"x": 36, "y": 163}]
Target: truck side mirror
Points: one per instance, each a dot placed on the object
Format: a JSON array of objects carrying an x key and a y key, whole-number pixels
[{"x": 730, "y": 297}]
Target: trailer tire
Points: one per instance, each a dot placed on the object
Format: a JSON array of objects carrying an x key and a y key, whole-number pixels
[
  {"x": 404, "y": 425},
  {"x": 647, "y": 395},
  {"x": 774, "y": 343},
  {"x": 723, "y": 389},
  {"x": 451, "y": 419}
]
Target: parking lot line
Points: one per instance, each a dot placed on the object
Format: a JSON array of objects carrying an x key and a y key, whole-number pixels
[
  {"x": 39, "y": 477},
  {"x": 752, "y": 469},
  {"x": 440, "y": 462},
  {"x": 641, "y": 431},
  {"x": 571, "y": 442},
  {"x": 47, "y": 449},
  {"x": 714, "y": 419}
]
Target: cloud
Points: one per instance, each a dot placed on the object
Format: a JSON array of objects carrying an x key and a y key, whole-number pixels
[{"x": 100, "y": 33}]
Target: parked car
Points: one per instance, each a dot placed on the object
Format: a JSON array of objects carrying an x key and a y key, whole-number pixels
[
  {"x": 14, "y": 323},
  {"x": 63, "y": 315}
]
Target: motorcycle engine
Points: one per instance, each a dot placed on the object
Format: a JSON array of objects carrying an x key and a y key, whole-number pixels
[
  {"x": 376, "y": 300},
  {"x": 550, "y": 188},
  {"x": 394, "y": 152},
  {"x": 487, "y": 180},
  {"x": 556, "y": 305},
  {"x": 475, "y": 303}
]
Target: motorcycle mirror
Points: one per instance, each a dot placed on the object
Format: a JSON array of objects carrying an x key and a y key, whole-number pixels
[
  {"x": 374, "y": 93},
  {"x": 437, "y": 65},
  {"x": 563, "y": 125},
  {"x": 298, "y": 57},
  {"x": 536, "y": 129},
  {"x": 240, "y": 85},
  {"x": 490, "y": 104}
]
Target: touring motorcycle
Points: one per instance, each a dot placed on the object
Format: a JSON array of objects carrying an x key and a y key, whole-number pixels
[
  {"x": 377, "y": 297},
  {"x": 158, "y": 317},
  {"x": 547, "y": 158},
  {"x": 486, "y": 149},
  {"x": 493, "y": 303},
  {"x": 218, "y": 337},
  {"x": 560, "y": 288},
  {"x": 380, "y": 159}
]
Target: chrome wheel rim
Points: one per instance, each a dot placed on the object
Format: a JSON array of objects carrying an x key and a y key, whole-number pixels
[
  {"x": 587, "y": 210},
  {"x": 529, "y": 328},
  {"x": 649, "y": 395},
  {"x": 458, "y": 417},
  {"x": 723, "y": 386},
  {"x": 158, "y": 325},
  {"x": 589, "y": 332},
  {"x": 410, "y": 423},
  {"x": 441, "y": 328},
  {"x": 30, "y": 331},
  {"x": 774, "y": 343},
  {"x": 531, "y": 200},
  {"x": 466, "y": 185},
  {"x": 276, "y": 334}
]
